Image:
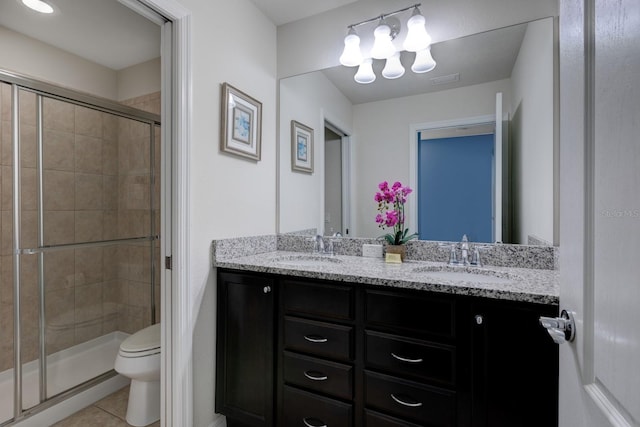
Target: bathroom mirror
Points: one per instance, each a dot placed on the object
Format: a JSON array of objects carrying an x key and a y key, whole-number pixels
[{"x": 378, "y": 126}]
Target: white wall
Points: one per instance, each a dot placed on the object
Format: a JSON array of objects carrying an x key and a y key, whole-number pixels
[
  {"x": 309, "y": 99},
  {"x": 232, "y": 41},
  {"x": 28, "y": 56},
  {"x": 139, "y": 79},
  {"x": 532, "y": 135},
  {"x": 381, "y": 139},
  {"x": 333, "y": 185},
  {"x": 316, "y": 42}
]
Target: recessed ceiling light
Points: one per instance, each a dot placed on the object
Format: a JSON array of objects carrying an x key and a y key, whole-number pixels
[{"x": 38, "y": 6}]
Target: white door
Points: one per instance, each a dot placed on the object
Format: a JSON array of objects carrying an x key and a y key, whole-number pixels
[{"x": 600, "y": 211}]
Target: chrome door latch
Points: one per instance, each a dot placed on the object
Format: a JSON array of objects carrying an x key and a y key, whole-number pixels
[{"x": 561, "y": 329}]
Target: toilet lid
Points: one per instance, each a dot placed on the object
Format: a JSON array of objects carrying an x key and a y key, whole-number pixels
[{"x": 143, "y": 340}]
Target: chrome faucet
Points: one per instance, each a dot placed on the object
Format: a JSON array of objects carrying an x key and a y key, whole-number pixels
[
  {"x": 469, "y": 255},
  {"x": 325, "y": 246}
]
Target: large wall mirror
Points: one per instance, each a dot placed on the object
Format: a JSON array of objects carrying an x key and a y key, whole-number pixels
[{"x": 365, "y": 134}]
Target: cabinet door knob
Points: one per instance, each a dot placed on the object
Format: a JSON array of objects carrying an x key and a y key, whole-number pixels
[
  {"x": 479, "y": 319},
  {"x": 404, "y": 359},
  {"x": 405, "y": 403},
  {"x": 266, "y": 289},
  {"x": 317, "y": 422},
  {"x": 316, "y": 376}
]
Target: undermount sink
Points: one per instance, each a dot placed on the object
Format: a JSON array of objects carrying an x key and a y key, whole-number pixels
[
  {"x": 467, "y": 274},
  {"x": 307, "y": 260}
]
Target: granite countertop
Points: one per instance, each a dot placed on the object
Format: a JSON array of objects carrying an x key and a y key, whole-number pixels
[{"x": 516, "y": 284}]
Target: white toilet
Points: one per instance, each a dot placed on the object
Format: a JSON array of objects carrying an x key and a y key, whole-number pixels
[{"x": 139, "y": 359}]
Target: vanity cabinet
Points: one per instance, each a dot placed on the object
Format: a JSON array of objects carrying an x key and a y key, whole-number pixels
[
  {"x": 317, "y": 354},
  {"x": 350, "y": 355},
  {"x": 245, "y": 349}
]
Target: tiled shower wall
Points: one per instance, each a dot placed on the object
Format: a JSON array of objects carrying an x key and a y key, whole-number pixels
[{"x": 96, "y": 187}]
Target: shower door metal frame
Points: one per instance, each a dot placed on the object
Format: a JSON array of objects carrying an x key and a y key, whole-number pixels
[{"x": 44, "y": 90}]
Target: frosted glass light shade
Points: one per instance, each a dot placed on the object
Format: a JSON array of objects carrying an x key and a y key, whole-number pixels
[
  {"x": 424, "y": 61},
  {"x": 417, "y": 36},
  {"x": 351, "y": 55},
  {"x": 393, "y": 69},
  {"x": 38, "y": 6},
  {"x": 382, "y": 46},
  {"x": 365, "y": 72}
]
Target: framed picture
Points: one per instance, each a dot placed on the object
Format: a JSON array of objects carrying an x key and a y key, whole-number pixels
[
  {"x": 241, "y": 123},
  {"x": 301, "y": 147}
]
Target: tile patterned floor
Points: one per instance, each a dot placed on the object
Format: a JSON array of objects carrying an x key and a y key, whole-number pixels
[{"x": 108, "y": 412}]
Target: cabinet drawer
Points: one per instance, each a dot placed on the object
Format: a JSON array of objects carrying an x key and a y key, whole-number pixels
[
  {"x": 318, "y": 338},
  {"x": 320, "y": 375},
  {"x": 375, "y": 419},
  {"x": 409, "y": 400},
  {"x": 318, "y": 299},
  {"x": 415, "y": 358},
  {"x": 424, "y": 315},
  {"x": 303, "y": 409}
]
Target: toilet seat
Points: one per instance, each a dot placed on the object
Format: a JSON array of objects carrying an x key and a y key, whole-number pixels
[{"x": 145, "y": 342}]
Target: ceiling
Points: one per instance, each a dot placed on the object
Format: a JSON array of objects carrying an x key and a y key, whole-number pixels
[
  {"x": 103, "y": 31},
  {"x": 284, "y": 11}
]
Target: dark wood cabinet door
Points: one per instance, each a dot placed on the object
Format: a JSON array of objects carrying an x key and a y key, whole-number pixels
[
  {"x": 515, "y": 364},
  {"x": 245, "y": 349}
]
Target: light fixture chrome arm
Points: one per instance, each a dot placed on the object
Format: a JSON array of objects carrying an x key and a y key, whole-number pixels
[{"x": 383, "y": 16}]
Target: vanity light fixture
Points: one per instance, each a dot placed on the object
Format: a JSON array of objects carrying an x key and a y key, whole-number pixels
[
  {"x": 38, "y": 6},
  {"x": 417, "y": 40}
]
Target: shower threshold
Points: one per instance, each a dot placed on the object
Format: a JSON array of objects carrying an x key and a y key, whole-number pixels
[{"x": 65, "y": 370}]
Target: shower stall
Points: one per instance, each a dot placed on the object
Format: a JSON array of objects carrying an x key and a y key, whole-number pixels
[{"x": 79, "y": 250}]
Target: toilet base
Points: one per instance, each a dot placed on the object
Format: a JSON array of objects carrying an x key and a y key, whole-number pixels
[{"x": 144, "y": 403}]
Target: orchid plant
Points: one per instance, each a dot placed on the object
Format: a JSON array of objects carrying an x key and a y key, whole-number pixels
[{"x": 391, "y": 202}]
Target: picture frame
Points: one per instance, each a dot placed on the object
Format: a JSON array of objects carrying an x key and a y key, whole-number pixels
[
  {"x": 301, "y": 147},
  {"x": 240, "y": 123}
]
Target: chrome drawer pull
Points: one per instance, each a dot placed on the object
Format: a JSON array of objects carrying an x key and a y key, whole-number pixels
[
  {"x": 413, "y": 405},
  {"x": 403, "y": 359},
  {"x": 317, "y": 377},
  {"x": 315, "y": 338},
  {"x": 306, "y": 423}
]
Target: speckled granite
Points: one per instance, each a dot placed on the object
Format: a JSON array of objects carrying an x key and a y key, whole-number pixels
[
  {"x": 242, "y": 246},
  {"x": 500, "y": 255},
  {"x": 517, "y": 284}
]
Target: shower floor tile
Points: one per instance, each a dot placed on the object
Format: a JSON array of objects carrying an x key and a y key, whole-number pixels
[{"x": 108, "y": 412}]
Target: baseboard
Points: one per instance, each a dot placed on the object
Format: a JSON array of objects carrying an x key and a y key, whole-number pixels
[{"x": 221, "y": 421}]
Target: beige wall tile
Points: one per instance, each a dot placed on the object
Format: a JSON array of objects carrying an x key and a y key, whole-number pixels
[
  {"x": 27, "y": 102},
  {"x": 6, "y": 233},
  {"x": 88, "y": 154},
  {"x": 89, "y": 265},
  {"x": 109, "y": 157},
  {"x": 29, "y": 193},
  {"x": 29, "y": 229},
  {"x": 110, "y": 259},
  {"x": 59, "y": 191},
  {"x": 6, "y": 141},
  {"x": 109, "y": 126},
  {"x": 88, "y": 299},
  {"x": 89, "y": 226},
  {"x": 5, "y": 102},
  {"x": 59, "y": 227},
  {"x": 89, "y": 191},
  {"x": 110, "y": 222},
  {"x": 7, "y": 188},
  {"x": 59, "y": 270},
  {"x": 60, "y": 309},
  {"x": 58, "y": 150},
  {"x": 58, "y": 115},
  {"x": 86, "y": 333},
  {"x": 28, "y": 146},
  {"x": 110, "y": 186},
  {"x": 88, "y": 122},
  {"x": 6, "y": 280}
]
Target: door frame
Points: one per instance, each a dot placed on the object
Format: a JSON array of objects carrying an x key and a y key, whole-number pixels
[
  {"x": 176, "y": 337},
  {"x": 414, "y": 129}
]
